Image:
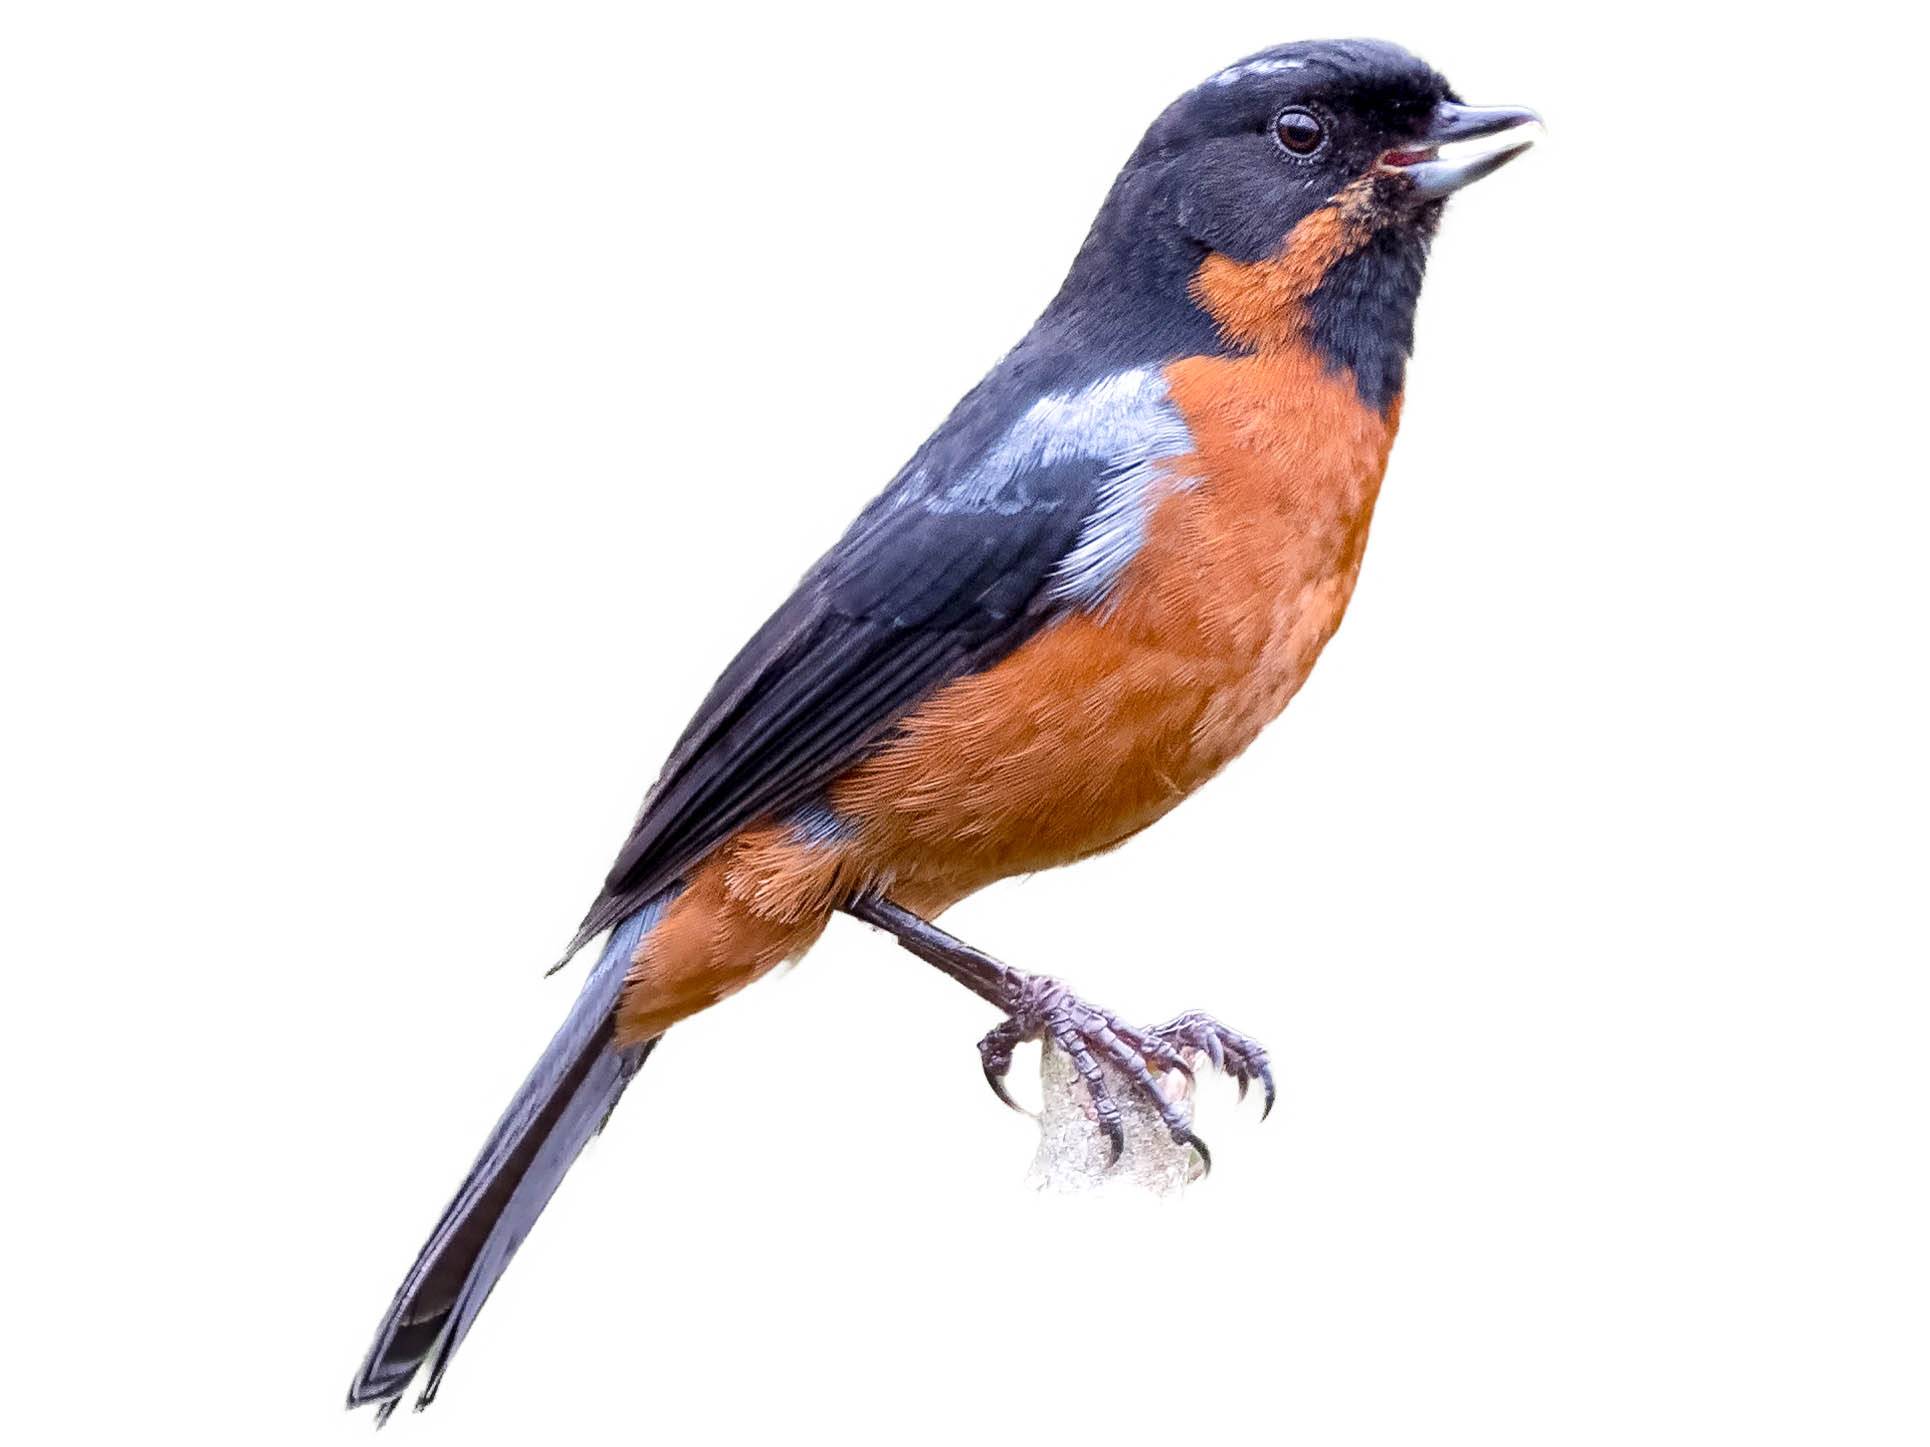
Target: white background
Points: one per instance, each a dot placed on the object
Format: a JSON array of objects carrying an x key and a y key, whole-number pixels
[{"x": 408, "y": 408}]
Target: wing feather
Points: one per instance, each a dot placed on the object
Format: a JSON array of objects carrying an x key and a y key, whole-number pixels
[{"x": 955, "y": 565}]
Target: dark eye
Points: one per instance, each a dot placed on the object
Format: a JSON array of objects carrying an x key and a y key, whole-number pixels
[{"x": 1301, "y": 132}]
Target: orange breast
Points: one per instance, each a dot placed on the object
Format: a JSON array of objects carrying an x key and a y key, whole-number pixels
[{"x": 1101, "y": 723}]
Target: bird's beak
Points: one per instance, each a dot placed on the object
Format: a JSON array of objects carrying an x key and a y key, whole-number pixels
[{"x": 1477, "y": 141}]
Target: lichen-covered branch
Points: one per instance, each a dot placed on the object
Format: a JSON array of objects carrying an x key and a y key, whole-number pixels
[{"x": 1073, "y": 1150}]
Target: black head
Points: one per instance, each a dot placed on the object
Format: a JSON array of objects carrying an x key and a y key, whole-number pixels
[
  {"x": 1251, "y": 151},
  {"x": 1345, "y": 131}
]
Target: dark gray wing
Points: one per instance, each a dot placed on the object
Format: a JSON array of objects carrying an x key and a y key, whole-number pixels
[{"x": 1008, "y": 516}]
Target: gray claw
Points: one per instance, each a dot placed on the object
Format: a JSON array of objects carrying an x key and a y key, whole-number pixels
[
  {"x": 995, "y": 1054},
  {"x": 1231, "y": 1052},
  {"x": 997, "y": 1082},
  {"x": 1206, "y": 1156}
]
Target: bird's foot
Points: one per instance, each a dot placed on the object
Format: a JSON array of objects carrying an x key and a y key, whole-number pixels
[{"x": 1093, "y": 1038}]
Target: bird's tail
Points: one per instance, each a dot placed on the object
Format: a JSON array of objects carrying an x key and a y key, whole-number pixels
[{"x": 564, "y": 1102}]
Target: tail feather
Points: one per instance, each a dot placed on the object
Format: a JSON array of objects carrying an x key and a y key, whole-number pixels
[{"x": 564, "y": 1101}]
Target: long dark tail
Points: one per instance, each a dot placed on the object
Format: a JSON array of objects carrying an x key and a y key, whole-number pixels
[{"x": 564, "y": 1102}]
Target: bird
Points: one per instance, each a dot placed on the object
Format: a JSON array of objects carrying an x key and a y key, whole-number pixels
[{"x": 1106, "y": 571}]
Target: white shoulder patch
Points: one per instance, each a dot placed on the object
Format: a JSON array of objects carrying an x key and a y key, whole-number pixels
[
  {"x": 1122, "y": 428},
  {"x": 1129, "y": 426},
  {"x": 1114, "y": 417}
]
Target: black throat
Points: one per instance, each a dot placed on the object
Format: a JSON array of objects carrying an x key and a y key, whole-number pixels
[{"x": 1361, "y": 316}]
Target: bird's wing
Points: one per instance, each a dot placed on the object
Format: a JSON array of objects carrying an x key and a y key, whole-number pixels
[{"x": 1009, "y": 516}]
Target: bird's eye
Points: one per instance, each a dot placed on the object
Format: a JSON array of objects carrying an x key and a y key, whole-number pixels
[{"x": 1301, "y": 132}]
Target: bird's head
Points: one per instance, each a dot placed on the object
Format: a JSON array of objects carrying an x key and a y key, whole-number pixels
[{"x": 1317, "y": 164}]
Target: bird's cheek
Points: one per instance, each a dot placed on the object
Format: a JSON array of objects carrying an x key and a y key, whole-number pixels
[{"x": 1245, "y": 211}]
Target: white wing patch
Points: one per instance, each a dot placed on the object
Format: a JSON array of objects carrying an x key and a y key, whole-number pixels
[
  {"x": 1127, "y": 423},
  {"x": 1124, "y": 429},
  {"x": 1113, "y": 419}
]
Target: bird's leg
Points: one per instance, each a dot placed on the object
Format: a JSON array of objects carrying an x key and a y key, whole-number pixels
[{"x": 1038, "y": 1007}]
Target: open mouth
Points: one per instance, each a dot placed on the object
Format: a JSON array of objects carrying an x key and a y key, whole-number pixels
[
  {"x": 1396, "y": 159},
  {"x": 1462, "y": 144}
]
